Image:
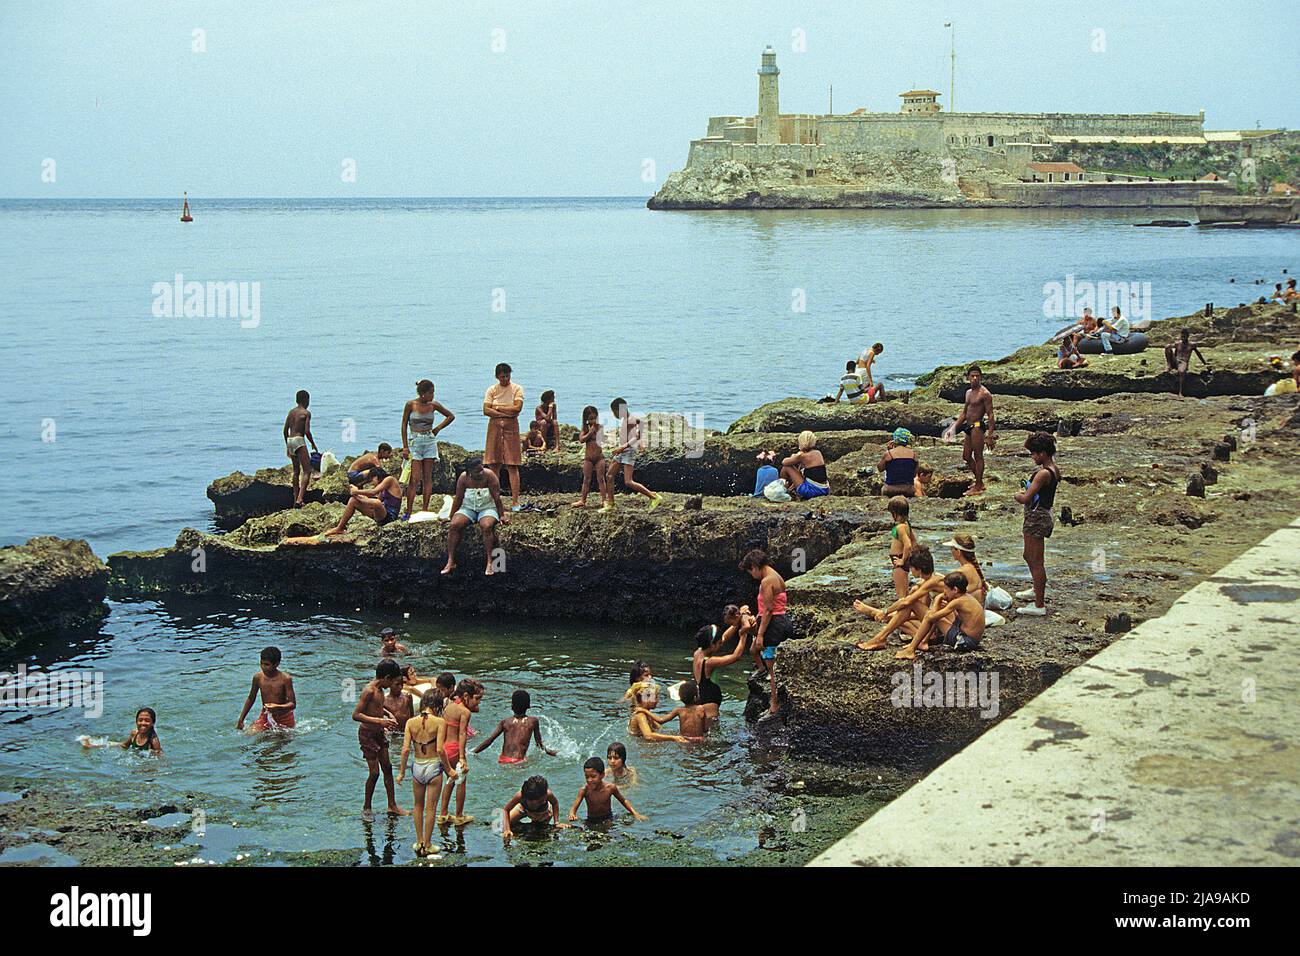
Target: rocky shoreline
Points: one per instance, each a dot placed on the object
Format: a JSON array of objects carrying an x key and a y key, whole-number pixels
[
  {"x": 1135, "y": 538},
  {"x": 48, "y": 585}
]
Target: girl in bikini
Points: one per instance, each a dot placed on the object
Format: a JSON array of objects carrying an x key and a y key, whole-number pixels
[
  {"x": 465, "y": 702},
  {"x": 901, "y": 543},
  {"x": 592, "y": 435},
  {"x": 381, "y": 502},
  {"x": 427, "y": 735},
  {"x": 420, "y": 441},
  {"x": 142, "y": 738}
]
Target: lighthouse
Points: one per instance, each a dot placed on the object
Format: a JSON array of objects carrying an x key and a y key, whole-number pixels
[{"x": 769, "y": 113}]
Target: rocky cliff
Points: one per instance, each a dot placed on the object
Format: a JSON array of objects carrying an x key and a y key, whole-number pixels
[{"x": 49, "y": 584}]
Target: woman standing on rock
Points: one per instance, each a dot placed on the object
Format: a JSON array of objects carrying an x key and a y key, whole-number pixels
[
  {"x": 420, "y": 440},
  {"x": 1038, "y": 498},
  {"x": 502, "y": 404}
]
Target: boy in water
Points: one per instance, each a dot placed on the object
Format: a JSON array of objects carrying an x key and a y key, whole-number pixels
[
  {"x": 624, "y": 457},
  {"x": 1178, "y": 358},
  {"x": 374, "y": 719},
  {"x": 620, "y": 773},
  {"x": 520, "y": 731},
  {"x": 276, "y": 688},
  {"x": 976, "y": 422},
  {"x": 388, "y": 643},
  {"x": 297, "y": 433},
  {"x": 692, "y": 721},
  {"x": 534, "y": 801},
  {"x": 966, "y": 613},
  {"x": 599, "y": 794}
]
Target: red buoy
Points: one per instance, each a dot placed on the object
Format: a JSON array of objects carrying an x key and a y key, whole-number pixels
[{"x": 185, "y": 211}]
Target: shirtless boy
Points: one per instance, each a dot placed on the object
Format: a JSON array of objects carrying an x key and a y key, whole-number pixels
[
  {"x": 371, "y": 459},
  {"x": 520, "y": 731},
  {"x": 1179, "y": 357},
  {"x": 624, "y": 456},
  {"x": 374, "y": 719},
  {"x": 297, "y": 433},
  {"x": 276, "y": 688},
  {"x": 909, "y": 610},
  {"x": 599, "y": 794},
  {"x": 965, "y": 613},
  {"x": 389, "y": 644},
  {"x": 976, "y": 422},
  {"x": 692, "y": 719},
  {"x": 533, "y": 801}
]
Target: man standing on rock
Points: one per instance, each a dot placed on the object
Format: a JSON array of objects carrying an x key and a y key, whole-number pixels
[
  {"x": 502, "y": 404},
  {"x": 976, "y": 422},
  {"x": 297, "y": 433}
]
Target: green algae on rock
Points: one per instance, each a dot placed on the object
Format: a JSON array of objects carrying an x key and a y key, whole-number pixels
[{"x": 49, "y": 584}]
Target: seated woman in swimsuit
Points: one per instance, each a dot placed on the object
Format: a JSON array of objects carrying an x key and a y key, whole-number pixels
[
  {"x": 963, "y": 552},
  {"x": 804, "y": 472},
  {"x": 382, "y": 501},
  {"x": 709, "y": 640},
  {"x": 898, "y": 465},
  {"x": 546, "y": 415}
]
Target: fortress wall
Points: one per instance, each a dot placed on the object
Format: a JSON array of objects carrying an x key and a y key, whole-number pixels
[
  {"x": 718, "y": 124},
  {"x": 705, "y": 151},
  {"x": 1108, "y": 195},
  {"x": 844, "y": 134}
]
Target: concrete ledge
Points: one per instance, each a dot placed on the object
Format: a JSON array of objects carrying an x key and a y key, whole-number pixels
[{"x": 1177, "y": 745}]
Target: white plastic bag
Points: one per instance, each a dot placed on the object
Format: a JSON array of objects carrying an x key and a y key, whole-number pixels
[
  {"x": 328, "y": 462},
  {"x": 406, "y": 473},
  {"x": 444, "y": 513},
  {"x": 776, "y": 491},
  {"x": 993, "y": 618},
  {"x": 997, "y": 600}
]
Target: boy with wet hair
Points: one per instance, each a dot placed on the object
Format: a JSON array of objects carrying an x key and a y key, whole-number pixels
[
  {"x": 534, "y": 801},
  {"x": 375, "y": 720},
  {"x": 519, "y": 730},
  {"x": 909, "y": 609},
  {"x": 276, "y": 688},
  {"x": 692, "y": 721},
  {"x": 966, "y": 613},
  {"x": 389, "y": 644},
  {"x": 599, "y": 795}
]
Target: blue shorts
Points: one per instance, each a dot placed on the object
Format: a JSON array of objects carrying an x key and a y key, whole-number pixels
[
  {"x": 424, "y": 446},
  {"x": 473, "y": 515},
  {"x": 810, "y": 490}
]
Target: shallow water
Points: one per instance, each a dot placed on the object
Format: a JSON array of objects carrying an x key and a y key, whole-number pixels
[{"x": 293, "y": 791}]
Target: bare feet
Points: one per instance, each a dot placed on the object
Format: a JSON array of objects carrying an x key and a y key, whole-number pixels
[
  {"x": 906, "y": 654},
  {"x": 489, "y": 572},
  {"x": 451, "y": 566},
  {"x": 875, "y": 644},
  {"x": 398, "y": 812},
  {"x": 579, "y": 504},
  {"x": 368, "y": 815},
  {"x": 975, "y": 489}
]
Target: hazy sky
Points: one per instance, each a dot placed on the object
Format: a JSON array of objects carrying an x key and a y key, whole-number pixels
[{"x": 581, "y": 95}]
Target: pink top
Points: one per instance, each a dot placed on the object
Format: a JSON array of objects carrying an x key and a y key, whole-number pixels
[{"x": 778, "y": 606}]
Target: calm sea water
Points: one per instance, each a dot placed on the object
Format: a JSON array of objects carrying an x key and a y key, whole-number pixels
[{"x": 692, "y": 312}]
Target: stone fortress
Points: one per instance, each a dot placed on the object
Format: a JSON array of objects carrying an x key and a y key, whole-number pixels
[{"x": 924, "y": 155}]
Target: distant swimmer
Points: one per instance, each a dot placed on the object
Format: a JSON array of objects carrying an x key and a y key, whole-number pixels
[
  {"x": 278, "y": 700},
  {"x": 297, "y": 433}
]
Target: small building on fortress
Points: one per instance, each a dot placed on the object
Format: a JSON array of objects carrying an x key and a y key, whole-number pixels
[{"x": 922, "y": 124}]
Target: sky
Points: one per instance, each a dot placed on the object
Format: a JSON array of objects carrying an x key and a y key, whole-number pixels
[{"x": 538, "y": 98}]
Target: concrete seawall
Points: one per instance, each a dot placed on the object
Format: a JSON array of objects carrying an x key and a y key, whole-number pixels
[
  {"x": 1105, "y": 195},
  {"x": 1176, "y": 745}
]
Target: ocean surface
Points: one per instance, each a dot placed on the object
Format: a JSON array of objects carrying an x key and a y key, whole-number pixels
[
  {"x": 125, "y": 416},
  {"x": 118, "y": 410}
]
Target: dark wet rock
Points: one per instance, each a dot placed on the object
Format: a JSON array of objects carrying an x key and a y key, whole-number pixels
[
  {"x": 1196, "y": 486},
  {"x": 666, "y": 566},
  {"x": 1118, "y": 623},
  {"x": 1222, "y": 452},
  {"x": 48, "y": 585},
  {"x": 693, "y": 503}
]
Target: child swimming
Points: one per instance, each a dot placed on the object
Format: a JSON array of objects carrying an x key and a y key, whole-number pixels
[
  {"x": 278, "y": 700},
  {"x": 388, "y": 643},
  {"x": 643, "y": 722},
  {"x": 427, "y": 735},
  {"x": 465, "y": 703},
  {"x": 692, "y": 719},
  {"x": 599, "y": 794},
  {"x": 619, "y": 772},
  {"x": 534, "y": 801},
  {"x": 144, "y": 737},
  {"x": 520, "y": 730}
]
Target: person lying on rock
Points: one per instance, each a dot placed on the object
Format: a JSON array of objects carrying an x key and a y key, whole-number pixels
[
  {"x": 478, "y": 501},
  {"x": 381, "y": 501},
  {"x": 957, "y": 616},
  {"x": 1178, "y": 358}
]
